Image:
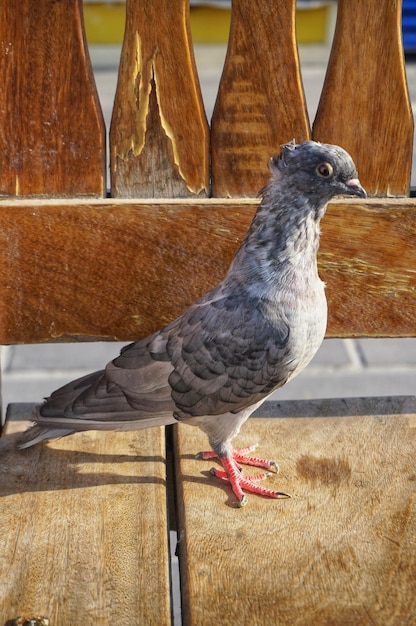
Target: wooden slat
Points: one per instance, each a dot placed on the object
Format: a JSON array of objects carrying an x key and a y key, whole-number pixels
[
  {"x": 84, "y": 528},
  {"x": 159, "y": 138},
  {"x": 368, "y": 262},
  {"x": 119, "y": 270},
  {"x": 52, "y": 136},
  {"x": 365, "y": 106},
  {"x": 340, "y": 551},
  {"x": 260, "y": 102}
]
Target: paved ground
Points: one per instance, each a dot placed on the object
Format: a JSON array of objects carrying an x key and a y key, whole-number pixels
[{"x": 341, "y": 368}]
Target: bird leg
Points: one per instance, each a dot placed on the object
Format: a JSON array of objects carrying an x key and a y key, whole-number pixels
[{"x": 233, "y": 473}]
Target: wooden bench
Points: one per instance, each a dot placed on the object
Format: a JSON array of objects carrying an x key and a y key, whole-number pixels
[{"x": 85, "y": 520}]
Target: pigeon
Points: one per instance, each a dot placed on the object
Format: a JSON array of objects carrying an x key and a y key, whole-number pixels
[{"x": 227, "y": 353}]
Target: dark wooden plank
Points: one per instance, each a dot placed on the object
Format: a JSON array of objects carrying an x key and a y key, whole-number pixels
[
  {"x": 365, "y": 106},
  {"x": 84, "y": 536},
  {"x": 159, "y": 137},
  {"x": 260, "y": 102},
  {"x": 52, "y": 136},
  {"x": 340, "y": 551},
  {"x": 120, "y": 269}
]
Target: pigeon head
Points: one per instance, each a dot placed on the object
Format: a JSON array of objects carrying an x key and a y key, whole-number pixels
[{"x": 318, "y": 169}]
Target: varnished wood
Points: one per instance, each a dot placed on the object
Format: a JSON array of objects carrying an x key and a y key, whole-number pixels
[
  {"x": 368, "y": 262},
  {"x": 365, "y": 105},
  {"x": 260, "y": 102},
  {"x": 340, "y": 551},
  {"x": 84, "y": 528},
  {"x": 121, "y": 269},
  {"x": 52, "y": 136},
  {"x": 159, "y": 139}
]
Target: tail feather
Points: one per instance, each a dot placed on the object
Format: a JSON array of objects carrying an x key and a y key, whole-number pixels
[
  {"x": 36, "y": 434},
  {"x": 105, "y": 400},
  {"x": 91, "y": 403}
]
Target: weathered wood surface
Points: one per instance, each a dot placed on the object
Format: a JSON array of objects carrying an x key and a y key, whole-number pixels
[
  {"x": 120, "y": 269},
  {"x": 341, "y": 551},
  {"x": 365, "y": 105},
  {"x": 159, "y": 138},
  {"x": 84, "y": 536},
  {"x": 52, "y": 135},
  {"x": 260, "y": 102}
]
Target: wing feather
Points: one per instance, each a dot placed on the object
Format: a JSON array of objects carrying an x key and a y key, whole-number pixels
[{"x": 222, "y": 355}]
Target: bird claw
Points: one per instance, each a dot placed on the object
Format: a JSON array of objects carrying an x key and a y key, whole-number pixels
[
  {"x": 232, "y": 473},
  {"x": 274, "y": 466}
]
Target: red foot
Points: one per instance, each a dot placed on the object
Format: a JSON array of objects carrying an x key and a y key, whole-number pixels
[{"x": 232, "y": 473}]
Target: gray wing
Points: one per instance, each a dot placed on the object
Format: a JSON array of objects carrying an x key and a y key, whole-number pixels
[
  {"x": 227, "y": 356},
  {"x": 224, "y": 354},
  {"x": 114, "y": 396}
]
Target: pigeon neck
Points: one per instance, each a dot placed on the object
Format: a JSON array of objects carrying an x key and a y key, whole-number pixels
[{"x": 280, "y": 239}]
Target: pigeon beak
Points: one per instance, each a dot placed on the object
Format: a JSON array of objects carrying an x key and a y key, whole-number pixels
[{"x": 354, "y": 188}]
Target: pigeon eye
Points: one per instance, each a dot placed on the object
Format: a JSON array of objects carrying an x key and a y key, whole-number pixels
[{"x": 325, "y": 170}]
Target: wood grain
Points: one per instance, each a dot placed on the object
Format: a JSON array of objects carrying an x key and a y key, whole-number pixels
[
  {"x": 365, "y": 105},
  {"x": 260, "y": 102},
  {"x": 340, "y": 551},
  {"x": 52, "y": 135},
  {"x": 121, "y": 269},
  {"x": 159, "y": 137},
  {"x": 84, "y": 528},
  {"x": 368, "y": 262}
]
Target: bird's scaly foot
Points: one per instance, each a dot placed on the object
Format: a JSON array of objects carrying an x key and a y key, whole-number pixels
[{"x": 232, "y": 473}]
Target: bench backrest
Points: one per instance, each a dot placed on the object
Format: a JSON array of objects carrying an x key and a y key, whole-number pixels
[{"x": 75, "y": 264}]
